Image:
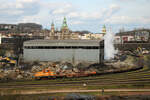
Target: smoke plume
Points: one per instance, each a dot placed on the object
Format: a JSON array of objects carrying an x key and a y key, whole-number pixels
[{"x": 109, "y": 45}]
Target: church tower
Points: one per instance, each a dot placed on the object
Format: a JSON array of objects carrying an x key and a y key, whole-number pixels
[
  {"x": 104, "y": 30},
  {"x": 65, "y": 30},
  {"x": 52, "y": 27},
  {"x": 52, "y": 32}
]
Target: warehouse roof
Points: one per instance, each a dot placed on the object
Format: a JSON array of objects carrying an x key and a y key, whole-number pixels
[{"x": 62, "y": 43}]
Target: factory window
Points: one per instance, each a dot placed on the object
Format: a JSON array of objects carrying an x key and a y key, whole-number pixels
[
  {"x": 67, "y": 47},
  {"x": 46, "y": 47},
  {"x": 73, "y": 47},
  {"x": 61, "y": 47}
]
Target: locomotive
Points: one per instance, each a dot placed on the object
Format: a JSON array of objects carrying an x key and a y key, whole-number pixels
[{"x": 48, "y": 74}]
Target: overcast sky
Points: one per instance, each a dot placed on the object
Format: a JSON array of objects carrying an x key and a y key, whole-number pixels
[{"x": 81, "y": 14}]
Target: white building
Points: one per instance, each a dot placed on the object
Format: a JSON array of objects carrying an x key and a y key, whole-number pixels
[{"x": 135, "y": 35}]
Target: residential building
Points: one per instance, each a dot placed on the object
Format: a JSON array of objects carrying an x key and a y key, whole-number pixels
[{"x": 135, "y": 35}]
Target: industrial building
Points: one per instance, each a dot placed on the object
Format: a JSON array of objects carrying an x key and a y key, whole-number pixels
[{"x": 72, "y": 51}]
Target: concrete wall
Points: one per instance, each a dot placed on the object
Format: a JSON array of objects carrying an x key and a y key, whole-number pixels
[{"x": 70, "y": 55}]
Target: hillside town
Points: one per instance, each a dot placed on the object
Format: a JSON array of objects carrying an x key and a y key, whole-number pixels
[
  {"x": 32, "y": 30},
  {"x": 35, "y": 31}
]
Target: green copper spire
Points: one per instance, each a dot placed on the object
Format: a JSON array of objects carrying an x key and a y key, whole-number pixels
[
  {"x": 52, "y": 24},
  {"x": 104, "y": 26},
  {"x": 104, "y": 29},
  {"x": 64, "y": 23}
]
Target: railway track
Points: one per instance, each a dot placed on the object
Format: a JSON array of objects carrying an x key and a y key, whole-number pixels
[{"x": 141, "y": 76}]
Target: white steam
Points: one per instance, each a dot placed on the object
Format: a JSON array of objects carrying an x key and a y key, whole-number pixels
[{"x": 109, "y": 45}]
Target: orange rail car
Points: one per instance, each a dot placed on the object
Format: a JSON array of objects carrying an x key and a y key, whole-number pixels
[{"x": 46, "y": 73}]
